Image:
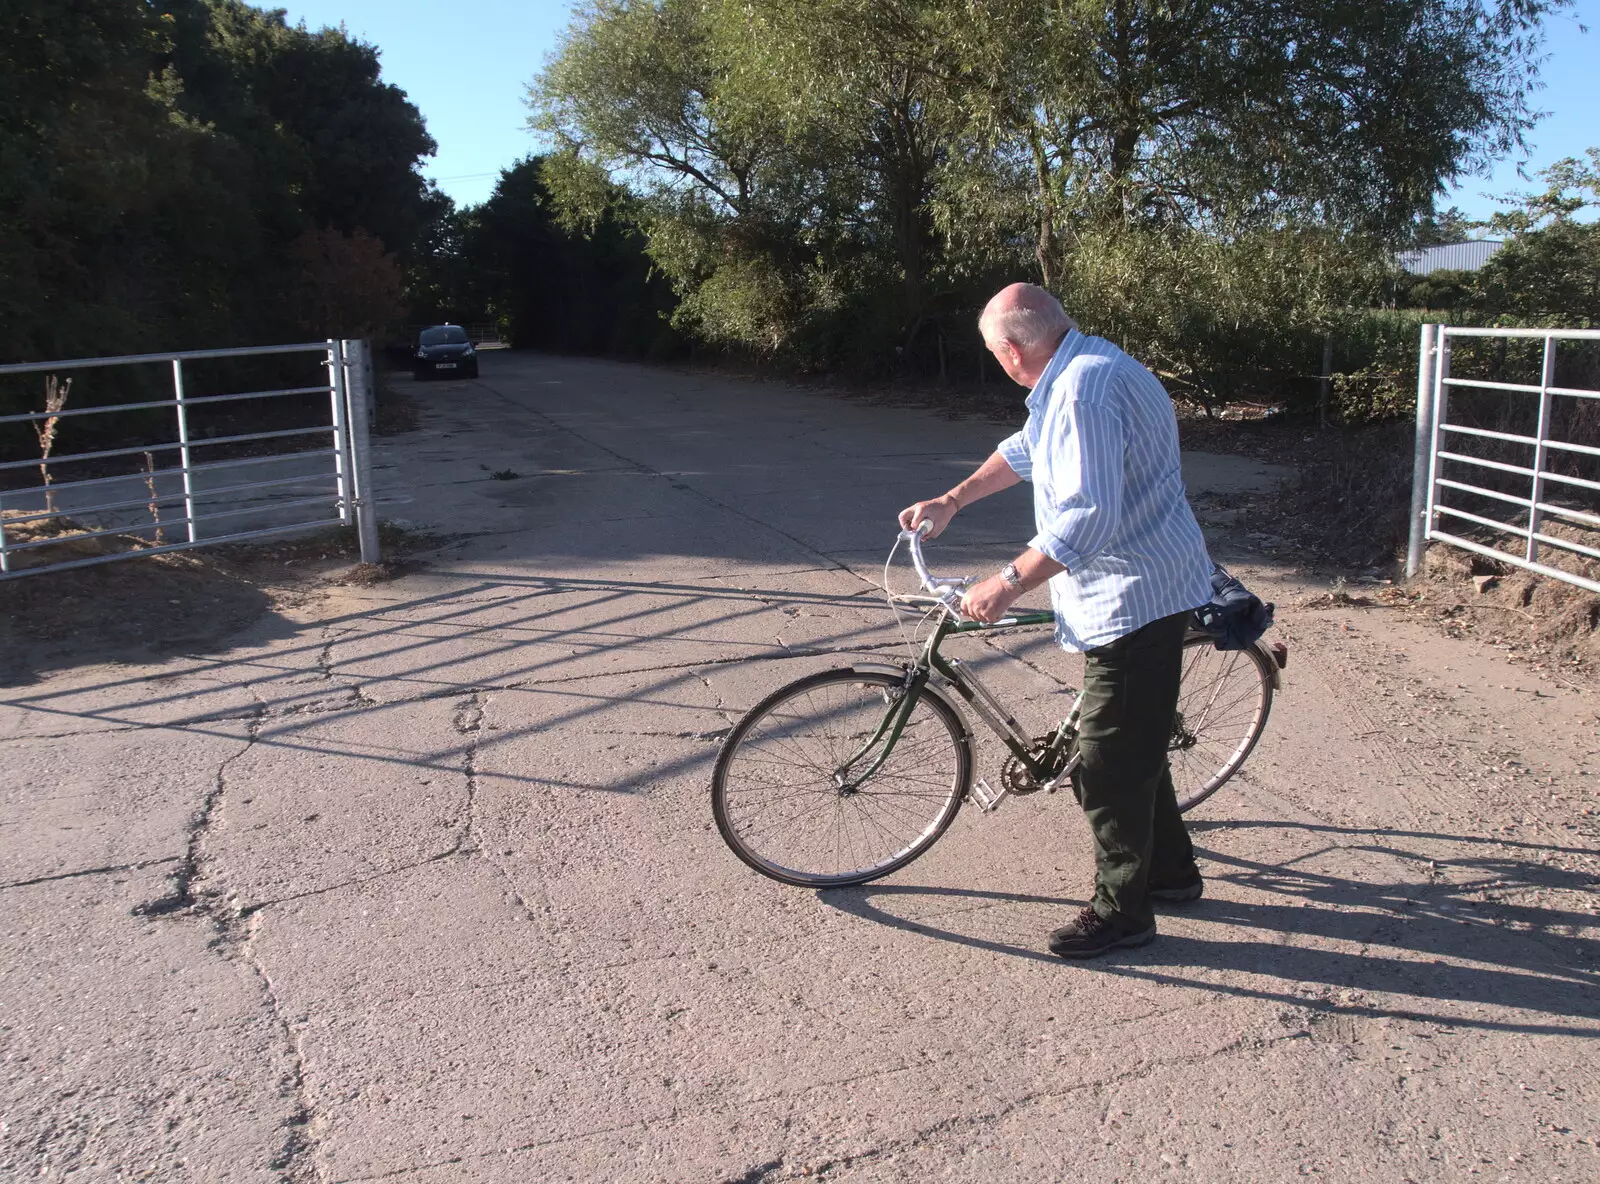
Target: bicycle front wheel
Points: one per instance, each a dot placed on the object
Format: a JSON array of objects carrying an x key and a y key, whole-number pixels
[
  {"x": 1223, "y": 703},
  {"x": 785, "y": 792}
]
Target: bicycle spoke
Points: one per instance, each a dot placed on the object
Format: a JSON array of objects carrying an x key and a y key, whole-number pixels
[
  {"x": 1222, "y": 706},
  {"x": 792, "y": 806}
]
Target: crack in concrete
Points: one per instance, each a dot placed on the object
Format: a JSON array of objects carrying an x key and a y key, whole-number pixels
[
  {"x": 182, "y": 896},
  {"x": 948, "y": 1126},
  {"x": 235, "y": 934},
  {"x": 714, "y": 736},
  {"x": 468, "y": 722},
  {"x": 249, "y": 910},
  {"x": 943, "y": 1127},
  {"x": 1028, "y": 662},
  {"x": 757, "y": 1173},
  {"x": 721, "y": 709},
  {"x": 325, "y": 654},
  {"x": 93, "y": 871},
  {"x": 294, "y": 1155}
]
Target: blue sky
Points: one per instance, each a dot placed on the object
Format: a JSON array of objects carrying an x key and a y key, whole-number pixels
[{"x": 467, "y": 66}]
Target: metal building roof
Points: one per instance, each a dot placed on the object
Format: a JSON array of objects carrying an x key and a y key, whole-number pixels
[{"x": 1467, "y": 256}]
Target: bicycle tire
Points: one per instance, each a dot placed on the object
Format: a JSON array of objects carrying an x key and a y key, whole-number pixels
[
  {"x": 1224, "y": 699},
  {"x": 870, "y": 831}
]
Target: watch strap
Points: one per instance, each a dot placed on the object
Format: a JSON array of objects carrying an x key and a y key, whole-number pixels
[{"x": 1012, "y": 577}]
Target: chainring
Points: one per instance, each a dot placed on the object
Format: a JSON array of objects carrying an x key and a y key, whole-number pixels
[{"x": 1014, "y": 775}]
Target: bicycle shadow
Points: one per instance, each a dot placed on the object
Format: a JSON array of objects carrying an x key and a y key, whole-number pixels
[{"x": 1434, "y": 948}]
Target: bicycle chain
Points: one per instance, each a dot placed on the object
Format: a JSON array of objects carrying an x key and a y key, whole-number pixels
[{"x": 1014, "y": 775}]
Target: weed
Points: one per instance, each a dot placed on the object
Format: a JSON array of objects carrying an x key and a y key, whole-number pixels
[
  {"x": 504, "y": 475},
  {"x": 55, "y": 398}
]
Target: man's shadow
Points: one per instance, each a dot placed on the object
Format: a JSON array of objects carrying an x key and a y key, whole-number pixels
[{"x": 1425, "y": 942}]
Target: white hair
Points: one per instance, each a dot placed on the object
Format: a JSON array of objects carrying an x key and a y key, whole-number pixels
[{"x": 1032, "y": 319}]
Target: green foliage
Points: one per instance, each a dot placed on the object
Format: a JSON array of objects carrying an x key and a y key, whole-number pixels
[
  {"x": 1550, "y": 267},
  {"x": 842, "y": 182},
  {"x": 557, "y": 289},
  {"x": 161, "y": 159},
  {"x": 1547, "y": 274}
]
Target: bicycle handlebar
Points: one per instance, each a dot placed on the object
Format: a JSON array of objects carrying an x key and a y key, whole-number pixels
[{"x": 946, "y": 590}]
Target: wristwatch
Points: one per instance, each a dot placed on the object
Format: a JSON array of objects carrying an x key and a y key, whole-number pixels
[{"x": 1012, "y": 577}]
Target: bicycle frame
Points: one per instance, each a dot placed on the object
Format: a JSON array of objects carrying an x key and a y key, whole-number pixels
[{"x": 1044, "y": 766}]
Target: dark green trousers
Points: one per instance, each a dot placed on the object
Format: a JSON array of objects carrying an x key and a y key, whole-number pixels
[{"x": 1123, "y": 782}]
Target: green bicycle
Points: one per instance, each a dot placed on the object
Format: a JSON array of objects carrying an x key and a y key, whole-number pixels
[{"x": 849, "y": 774}]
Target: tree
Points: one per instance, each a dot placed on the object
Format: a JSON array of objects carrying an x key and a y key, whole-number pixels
[
  {"x": 812, "y": 171},
  {"x": 349, "y": 285},
  {"x": 1436, "y": 229},
  {"x": 1549, "y": 269},
  {"x": 566, "y": 289},
  {"x": 159, "y": 157}
]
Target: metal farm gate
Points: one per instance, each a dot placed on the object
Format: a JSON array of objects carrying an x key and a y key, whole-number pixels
[
  {"x": 1508, "y": 448},
  {"x": 224, "y": 465}
]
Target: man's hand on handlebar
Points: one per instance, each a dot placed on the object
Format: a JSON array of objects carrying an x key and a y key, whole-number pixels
[
  {"x": 989, "y": 600},
  {"x": 939, "y": 511}
]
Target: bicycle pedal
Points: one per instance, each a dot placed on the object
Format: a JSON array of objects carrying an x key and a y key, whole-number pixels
[{"x": 986, "y": 799}]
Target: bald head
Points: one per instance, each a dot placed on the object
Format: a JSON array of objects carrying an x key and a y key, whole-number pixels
[
  {"x": 1025, "y": 315},
  {"x": 1022, "y": 325}
]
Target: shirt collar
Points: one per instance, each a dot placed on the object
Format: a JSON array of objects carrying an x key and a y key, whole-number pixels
[{"x": 1071, "y": 346}]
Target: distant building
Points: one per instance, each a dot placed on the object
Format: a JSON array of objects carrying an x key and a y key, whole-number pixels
[{"x": 1450, "y": 257}]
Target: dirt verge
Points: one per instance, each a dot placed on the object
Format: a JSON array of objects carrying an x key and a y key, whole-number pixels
[{"x": 146, "y": 606}]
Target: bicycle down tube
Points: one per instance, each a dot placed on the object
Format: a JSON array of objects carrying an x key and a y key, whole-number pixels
[{"x": 966, "y": 682}]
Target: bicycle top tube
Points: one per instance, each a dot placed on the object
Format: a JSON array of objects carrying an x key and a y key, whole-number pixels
[{"x": 947, "y": 591}]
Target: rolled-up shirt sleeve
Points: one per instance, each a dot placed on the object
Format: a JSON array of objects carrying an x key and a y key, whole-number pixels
[
  {"x": 1085, "y": 498},
  {"x": 1015, "y": 450}
]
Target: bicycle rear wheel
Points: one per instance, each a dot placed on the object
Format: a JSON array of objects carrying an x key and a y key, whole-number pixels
[
  {"x": 1223, "y": 702},
  {"x": 777, "y": 795}
]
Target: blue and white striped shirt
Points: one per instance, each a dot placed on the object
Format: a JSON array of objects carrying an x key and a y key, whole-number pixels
[{"x": 1101, "y": 448}]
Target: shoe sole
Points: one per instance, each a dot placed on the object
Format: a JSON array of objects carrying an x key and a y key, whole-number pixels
[
  {"x": 1178, "y": 895},
  {"x": 1126, "y": 942}
]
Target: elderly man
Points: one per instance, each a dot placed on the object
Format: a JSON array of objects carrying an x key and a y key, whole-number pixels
[{"x": 1126, "y": 564}]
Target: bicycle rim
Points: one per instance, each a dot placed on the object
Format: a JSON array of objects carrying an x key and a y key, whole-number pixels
[
  {"x": 1223, "y": 701},
  {"x": 775, "y": 792}
]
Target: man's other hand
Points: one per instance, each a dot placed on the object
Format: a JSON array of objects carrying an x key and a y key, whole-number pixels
[
  {"x": 939, "y": 511},
  {"x": 988, "y": 601}
]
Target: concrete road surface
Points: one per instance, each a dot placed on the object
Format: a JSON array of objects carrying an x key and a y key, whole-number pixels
[{"x": 420, "y": 882}]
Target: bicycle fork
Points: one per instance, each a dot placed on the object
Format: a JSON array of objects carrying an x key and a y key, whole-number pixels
[{"x": 887, "y": 734}]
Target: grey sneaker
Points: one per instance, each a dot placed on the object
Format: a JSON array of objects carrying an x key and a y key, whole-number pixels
[
  {"x": 1089, "y": 935},
  {"x": 1180, "y": 892}
]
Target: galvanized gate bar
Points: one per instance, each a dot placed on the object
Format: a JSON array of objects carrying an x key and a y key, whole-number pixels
[
  {"x": 241, "y": 536},
  {"x": 208, "y": 466},
  {"x": 138, "y": 502},
  {"x": 168, "y": 447},
  {"x": 1538, "y": 568},
  {"x": 358, "y": 393},
  {"x": 347, "y": 432},
  {"x": 117, "y": 530},
  {"x": 1422, "y": 458},
  {"x": 1541, "y": 451},
  {"x": 341, "y": 445},
  {"x": 183, "y": 448},
  {"x": 1429, "y": 482},
  {"x": 1564, "y": 334},
  {"x": 203, "y": 399},
  {"x": 1436, "y": 417},
  {"x": 186, "y": 355}
]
